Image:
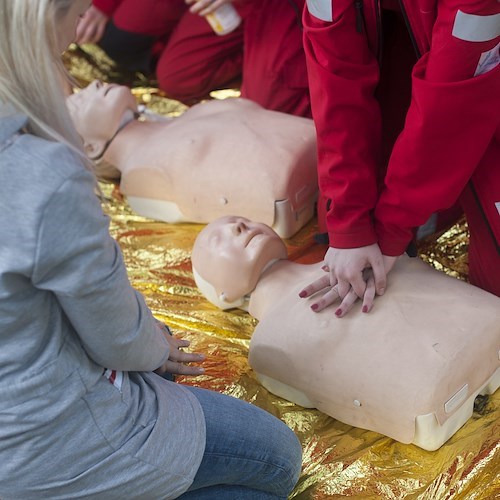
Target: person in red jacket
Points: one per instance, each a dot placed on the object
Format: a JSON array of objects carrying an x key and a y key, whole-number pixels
[
  {"x": 136, "y": 34},
  {"x": 448, "y": 147},
  {"x": 173, "y": 40}
]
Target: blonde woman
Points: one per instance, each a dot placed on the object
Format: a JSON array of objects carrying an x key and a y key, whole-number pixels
[{"x": 82, "y": 413}]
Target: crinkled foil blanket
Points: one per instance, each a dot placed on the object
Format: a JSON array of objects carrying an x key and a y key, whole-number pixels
[{"x": 339, "y": 460}]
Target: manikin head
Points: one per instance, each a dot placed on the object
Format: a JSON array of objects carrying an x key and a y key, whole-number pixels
[
  {"x": 98, "y": 111},
  {"x": 229, "y": 255}
]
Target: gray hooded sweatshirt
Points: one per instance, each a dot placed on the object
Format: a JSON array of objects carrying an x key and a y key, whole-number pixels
[{"x": 81, "y": 414}]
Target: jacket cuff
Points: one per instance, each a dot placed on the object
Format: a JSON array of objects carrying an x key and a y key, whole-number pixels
[
  {"x": 390, "y": 244},
  {"x": 352, "y": 240}
]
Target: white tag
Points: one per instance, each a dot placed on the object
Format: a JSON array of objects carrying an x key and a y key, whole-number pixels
[
  {"x": 322, "y": 9},
  {"x": 488, "y": 60},
  {"x": 473, "y": 28},
  {"x": 115, "y": 377}
]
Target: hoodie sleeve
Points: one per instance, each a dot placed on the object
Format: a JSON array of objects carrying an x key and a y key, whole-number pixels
[{"x": 79, "y": 261}]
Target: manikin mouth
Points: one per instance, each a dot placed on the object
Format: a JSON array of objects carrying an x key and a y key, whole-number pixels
[{"x": 108, "y": 87}]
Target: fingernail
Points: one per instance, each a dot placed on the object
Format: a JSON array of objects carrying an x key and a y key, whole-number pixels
[
  {"x": 314, "y": 307},
  {"x": 324, "y": 268},
  {"x": 381, "y": 291},
  {"x": 365, "y": 309},
  {"x": 201, "y": 370},
  {"x": 338, "y": 312},
  {"x": 302, "y": 294}
]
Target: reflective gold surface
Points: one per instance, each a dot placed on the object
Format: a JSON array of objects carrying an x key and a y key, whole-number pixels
[{"x": 339, "y": 460}]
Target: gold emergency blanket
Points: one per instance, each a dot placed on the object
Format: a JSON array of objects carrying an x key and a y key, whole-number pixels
[{"x": 339, "y": 460}]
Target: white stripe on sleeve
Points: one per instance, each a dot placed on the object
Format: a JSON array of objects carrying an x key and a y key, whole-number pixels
[
  {"x": 473, "y": 28},
  {"x": 322, "y": 9}
]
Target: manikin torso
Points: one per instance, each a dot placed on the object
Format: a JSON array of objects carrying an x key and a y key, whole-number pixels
[
  {"x": 410, "y": 369},
  {"x": 219, "y": 158}
]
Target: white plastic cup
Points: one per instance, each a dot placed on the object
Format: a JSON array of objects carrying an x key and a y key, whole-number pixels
[{"x": 224, "y": 19}]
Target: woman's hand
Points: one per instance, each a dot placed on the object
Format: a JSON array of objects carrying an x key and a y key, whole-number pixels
[
  {"x": 346, "y": 267},
  {"x": 352, "y": 274},
  {"x": 389, "y": 261},
  {"x": 91, "y": 26},
  {"x": 178, "y": 359},
  {"x": 332, "y": 295}
]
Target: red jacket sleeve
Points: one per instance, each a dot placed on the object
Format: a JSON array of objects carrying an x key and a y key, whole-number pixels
[
  {"x": 107, "y": 6},
  {"x": 450, "y": 125},
  {"x": 343, "y": 73}
]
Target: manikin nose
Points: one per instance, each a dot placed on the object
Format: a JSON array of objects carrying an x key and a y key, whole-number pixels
[
  {"x": 97, "y": 84},
  {"x": 239, "y": 227}
]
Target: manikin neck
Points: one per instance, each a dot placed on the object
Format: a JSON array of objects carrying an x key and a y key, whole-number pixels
[
  {"x": 128, "y": 117},
  {"x": 245, "y": 304},
  {"x": 130, "y": 143},
  {"x": 282, "y": 277}
]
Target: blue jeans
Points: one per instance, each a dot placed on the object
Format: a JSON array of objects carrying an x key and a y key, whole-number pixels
[{"x": 249, "y": 453}]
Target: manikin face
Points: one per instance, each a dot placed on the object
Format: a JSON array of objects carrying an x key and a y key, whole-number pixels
[
  {"x": 67, "y": 25},
  {"x": 97, "y": 112},
  {"x": 231, "y": 253}
]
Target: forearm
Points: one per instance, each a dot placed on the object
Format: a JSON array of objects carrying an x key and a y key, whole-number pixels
[
  {"x": 343, "y": 74},
  {"x": 118, "y": 330},
  {"x": 79, "y": 262},
  {"x": 450, "y": 124}
]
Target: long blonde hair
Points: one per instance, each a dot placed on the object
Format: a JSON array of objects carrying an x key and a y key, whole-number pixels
[{"x": 31, "y": 69}]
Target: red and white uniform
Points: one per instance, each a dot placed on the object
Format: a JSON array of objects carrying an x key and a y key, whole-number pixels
[
  {"x": 449, "y": 146},
  {"x": 266, "y": 50},
  {"x": 192, "y": 60}
]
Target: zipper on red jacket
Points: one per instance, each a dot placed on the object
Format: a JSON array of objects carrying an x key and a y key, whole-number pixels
[
  {"x": 409, "y": 28},
  {"x": 380, "y": 38},
  {"x": 358, "y": 5}
]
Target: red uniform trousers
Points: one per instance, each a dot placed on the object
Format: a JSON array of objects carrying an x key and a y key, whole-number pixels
[
  {"x": 274, "y": 65},
  {"x": 196, "y": 61},
  {"x": 161, "y": 36},
  {"x": 266, "y": 50}
]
